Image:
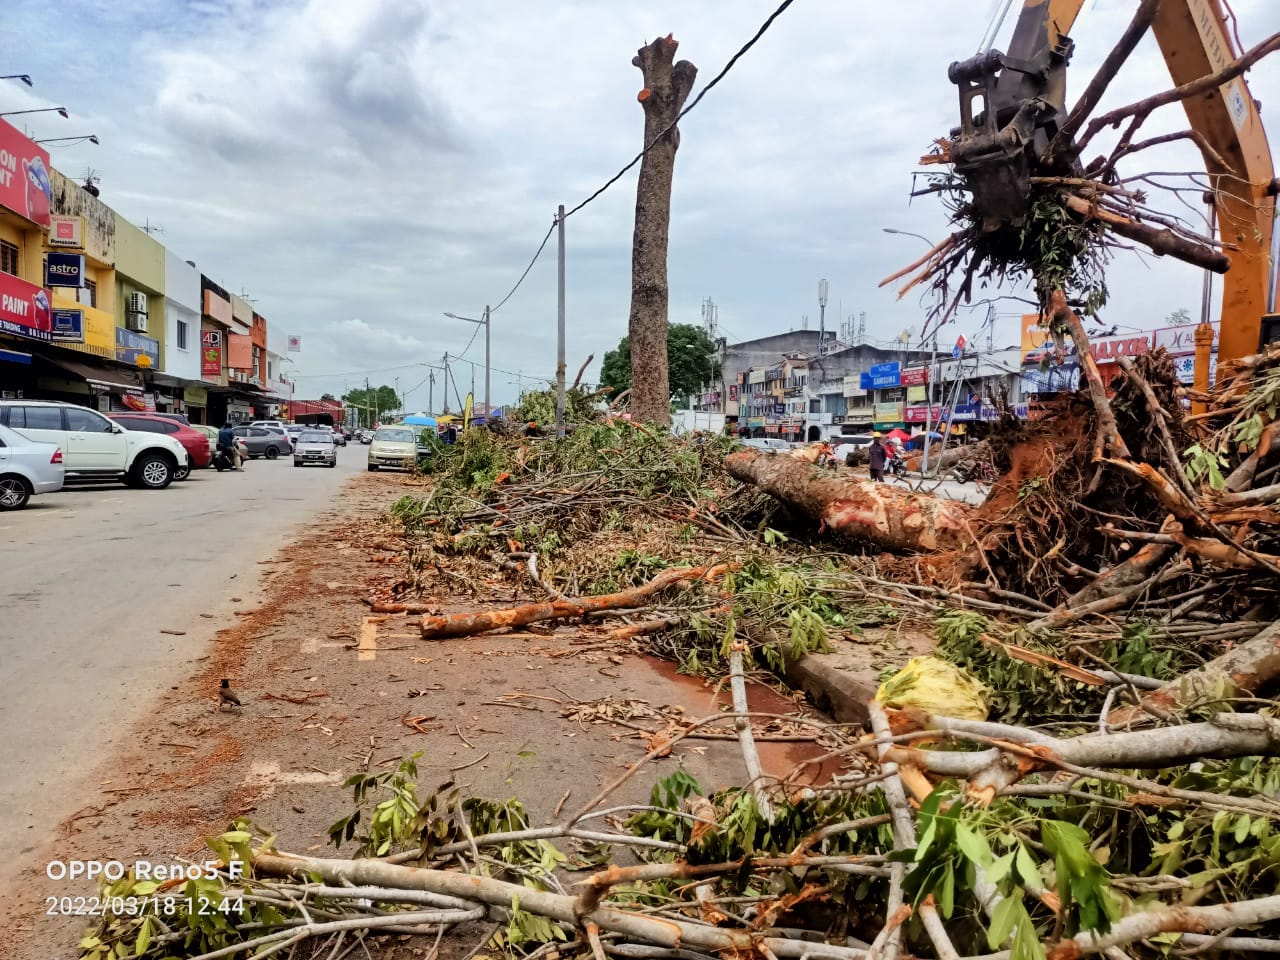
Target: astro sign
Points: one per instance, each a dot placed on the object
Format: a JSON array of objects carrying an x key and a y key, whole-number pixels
[{"x": 64, "y": 270}]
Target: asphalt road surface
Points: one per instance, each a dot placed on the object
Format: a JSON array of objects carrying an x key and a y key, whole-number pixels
[{"x": 90, "y": 579}]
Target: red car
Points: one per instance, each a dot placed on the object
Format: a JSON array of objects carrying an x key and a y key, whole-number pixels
[{"x": 193, "y": 441}]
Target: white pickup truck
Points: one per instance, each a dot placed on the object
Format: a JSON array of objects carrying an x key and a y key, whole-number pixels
[{"x": 94, "y": 449}]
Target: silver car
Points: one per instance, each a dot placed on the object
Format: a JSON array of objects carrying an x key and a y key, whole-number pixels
[
  {"x": 315, "y": 446},
  {"x": 27, "y": 468}
]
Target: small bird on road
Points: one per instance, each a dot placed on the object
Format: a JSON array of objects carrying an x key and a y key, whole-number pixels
[{"x": 226, "y": 696}]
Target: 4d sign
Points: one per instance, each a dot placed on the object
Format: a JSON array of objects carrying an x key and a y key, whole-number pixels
[{"x": 64, "y": 270}]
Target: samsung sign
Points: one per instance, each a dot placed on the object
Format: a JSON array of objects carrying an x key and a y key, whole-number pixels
[
  {"x": 882, "y": 375},
  {"x": 64, "y": 270}
]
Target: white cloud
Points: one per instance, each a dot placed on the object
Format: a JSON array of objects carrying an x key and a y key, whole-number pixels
[{"x": 392, "y": 159}]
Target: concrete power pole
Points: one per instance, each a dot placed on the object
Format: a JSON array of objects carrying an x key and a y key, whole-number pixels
[
  {"x": 446, "y": 384},
  {"x": 431, "y": 393},
  {"x": 560, "y": 323}
]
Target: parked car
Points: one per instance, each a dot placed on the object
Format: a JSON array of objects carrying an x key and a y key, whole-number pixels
[
  {"x": 212, "y": 434},
  {"x": 767, "y": 444},
  {"x": 315, "y": 446},
  {"x": 180, "y": 417},
  {"x": 264, "y": 442},
  {"x": 27, "y": 468},
  {"x": 276, "y": 426},
  {"x": 195, "y": 443},
  {"x": 393, "y": 447},
  {"x": 94, "y": 448}
]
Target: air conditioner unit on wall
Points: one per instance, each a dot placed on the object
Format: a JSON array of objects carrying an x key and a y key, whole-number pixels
[
  {"x": 138, "y": 303},
  {"x": 137, "y": 322}
]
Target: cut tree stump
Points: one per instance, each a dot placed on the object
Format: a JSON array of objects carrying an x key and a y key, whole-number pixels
[{"x": 879, "y": 513}]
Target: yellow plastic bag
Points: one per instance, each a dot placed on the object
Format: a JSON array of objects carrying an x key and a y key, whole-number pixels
[{"x": 935, "y": 686}]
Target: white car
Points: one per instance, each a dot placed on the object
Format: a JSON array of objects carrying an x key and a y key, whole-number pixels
[
  {"x": 27, "y": 468},
  {"x": 767, "y": 444},
  {"x": 315, "y": 446},
  {"x": 95, "y": 449}
]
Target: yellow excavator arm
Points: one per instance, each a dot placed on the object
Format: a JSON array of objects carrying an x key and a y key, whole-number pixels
[{"x": 1193, "y": 38}]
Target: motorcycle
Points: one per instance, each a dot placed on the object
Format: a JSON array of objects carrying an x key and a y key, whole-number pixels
[
  {"x": 978, "y": 470},
  {"x": 895, "y": 466},
  {"x": 222, "y": 459}
]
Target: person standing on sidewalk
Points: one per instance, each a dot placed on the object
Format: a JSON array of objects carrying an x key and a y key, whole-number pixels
[{"x": 876, "y": 455}]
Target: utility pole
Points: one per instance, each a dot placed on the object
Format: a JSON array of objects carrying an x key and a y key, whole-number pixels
[
  {"x": 560, "y": 323},
  {"x": 822, "y": 316},
  {"x": 487, "y": 408},
  {"x": 446, "y": 384},
  {"x": 431, "y": 393},
  {"x": 399, "y": 395},
  {"x": 928, "y": 414}
]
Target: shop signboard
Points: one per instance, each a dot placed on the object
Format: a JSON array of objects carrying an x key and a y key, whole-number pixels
[
  {"x": 211, "y": 353},
  {"x": 1181, "y": 341},
  {"x": 779, "y": 409},
  {"x": 919, "y": 413},
  {"x": 914, "y": 376},
  {"x": 24, "y": 176},
  {"x": 882, "y": 375},
  {"x": 966, "y": 411},
  {"x": 64, "y": 269},
  {"x": 852, "y": 387},
  {"x": 859, "y": 414},
  {"x": 25, "y": 310},
  {"x": 1186, "y": 368},
  {"x": 66, "y": 231},
  {"x": 917, "y": 394},
  {"x": 68, "y": 326},
  {"x": 733, "y": 393},
  {"x": 131, "y": 345},
  {"x": 888, "y": 412}
]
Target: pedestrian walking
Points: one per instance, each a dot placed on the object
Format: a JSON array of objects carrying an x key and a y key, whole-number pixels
[{"x": 876, "y": 454}]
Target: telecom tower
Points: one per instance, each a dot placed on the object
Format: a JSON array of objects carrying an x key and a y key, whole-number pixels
[{"x": 710, "y": 319}]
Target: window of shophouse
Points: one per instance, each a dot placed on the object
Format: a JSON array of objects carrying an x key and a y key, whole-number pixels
[
  {"x": 89, "y": 293},
  {"x": 8, "y": 257},
  {"x": 182, "y": 334}
]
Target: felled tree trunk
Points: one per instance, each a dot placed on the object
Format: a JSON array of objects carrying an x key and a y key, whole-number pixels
[
  {"x": 468, "y": 624},
  {"x": 666, "y": 87},
  {"x": 879, "y": 513}
]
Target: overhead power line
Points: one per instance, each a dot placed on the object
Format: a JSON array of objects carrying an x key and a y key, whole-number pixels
[
  {"x": 542, "y": 246},
  {"x": 696, "y": 100}
]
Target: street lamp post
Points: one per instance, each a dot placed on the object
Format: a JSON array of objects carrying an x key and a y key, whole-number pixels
[
  {"x": 91, "y": 137},
  {"x": 485, "y": 323},
  {"x": 61, "y": 111},
  {"x": 933, "y": 362}
]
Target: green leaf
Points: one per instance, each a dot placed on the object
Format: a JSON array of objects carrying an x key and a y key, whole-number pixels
[
  {"x": 973, "y": 845},
  {"x": 1003, "y": 917},
  {"x": 1000, "y": 868},
  {"x": 1028, "y": 870},
  {"x": 144, "y": 938},
  {"x": 947, "y": 892}
]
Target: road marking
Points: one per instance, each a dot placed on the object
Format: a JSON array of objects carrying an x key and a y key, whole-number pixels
[
  {"x": 267, "y": 775},
  {"x": 368, "y": 645}
]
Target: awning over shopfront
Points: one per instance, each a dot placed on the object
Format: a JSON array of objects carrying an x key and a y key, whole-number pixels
[{"x": 102, "y": 376}]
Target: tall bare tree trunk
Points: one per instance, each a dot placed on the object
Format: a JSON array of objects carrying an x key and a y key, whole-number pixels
[{"x": 666, "y": 87}]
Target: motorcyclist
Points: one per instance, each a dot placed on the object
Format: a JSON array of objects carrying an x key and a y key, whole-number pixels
[{"x": 227, "y": 445}]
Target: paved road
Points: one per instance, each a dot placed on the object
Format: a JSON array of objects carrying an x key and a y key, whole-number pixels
[{"x": 91, "y": 577}]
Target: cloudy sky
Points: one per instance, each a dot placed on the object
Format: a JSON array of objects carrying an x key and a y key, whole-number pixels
[{"x": 361, "y": 167}]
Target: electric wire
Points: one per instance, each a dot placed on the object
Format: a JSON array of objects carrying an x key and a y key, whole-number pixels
[
  {"x": 696, "y": 100},
  {"x": 542, "y": 246},
  {"x": 764, "y": 27}
]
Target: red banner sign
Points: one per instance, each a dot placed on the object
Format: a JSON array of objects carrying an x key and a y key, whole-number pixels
[
  {"x": 211, "y": 354},
  {"x": 24, "y": 176},
  {"x": 914, "y": 376},
  {"x": 921, "y": 414},
  {"x": 24, "y": 309}
]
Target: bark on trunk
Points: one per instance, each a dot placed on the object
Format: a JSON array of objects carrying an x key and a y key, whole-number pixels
[
  {"x": 880, "y": 513},
  {"x": 666, "y": 87},
  {"x": 1239, "y": 671}
]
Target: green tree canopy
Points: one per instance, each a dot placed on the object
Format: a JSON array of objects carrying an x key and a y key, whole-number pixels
[
  {"x": 373, "y": 404},
  {"x": 691, "y": 362},
  {"x": 328, "y": 397}
]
